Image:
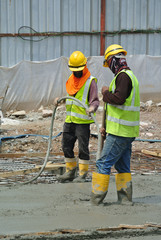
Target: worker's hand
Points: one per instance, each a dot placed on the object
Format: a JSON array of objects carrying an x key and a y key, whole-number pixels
[
  {"x": 56, "y": 101},
  {"x": 103, "y": 132},
  {"x": 104, "y": 88},
  {"x": 90, "y": 110}
]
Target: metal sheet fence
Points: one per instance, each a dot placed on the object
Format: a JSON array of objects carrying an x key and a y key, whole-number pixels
[{"x": 75, "y": 24}]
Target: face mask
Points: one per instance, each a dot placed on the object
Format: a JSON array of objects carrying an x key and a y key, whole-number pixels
[
  {"x": 116, "y": 64},
  {"x": 78, "y": 74},
  {"x": 112, "y": 64}
]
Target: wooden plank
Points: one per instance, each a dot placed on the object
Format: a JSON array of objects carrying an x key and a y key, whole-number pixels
[
  {"x": 156, "y": 153},
  {"x": 49, "y": 167},
  {"x": 153, "y": 225},
  {"x": 63, "y": 231},
  {"x": 126, "y": 226},
  {"x": 109, "y": 229},
  {"x": 27, "y": 154},
  {"x": 33, "y": 154}
]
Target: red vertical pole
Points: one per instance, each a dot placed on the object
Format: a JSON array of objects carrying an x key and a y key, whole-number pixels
[{"x": 102, "y": 39}]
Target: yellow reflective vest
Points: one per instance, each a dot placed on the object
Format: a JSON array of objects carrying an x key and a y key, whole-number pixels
[
  {"x": 123, "y": 120},
  {"x": 76, "y": 113}
]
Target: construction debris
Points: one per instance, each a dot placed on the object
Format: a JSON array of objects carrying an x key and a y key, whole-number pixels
[
  {"x": 156, "y": 153},
  {"x": 49, "y": 167},
  {"x": 20, "y": 114}
]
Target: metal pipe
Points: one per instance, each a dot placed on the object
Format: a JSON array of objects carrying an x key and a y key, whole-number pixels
[
  {"x": 102, "y": 38},
  {"x": 75, "y": 33}
]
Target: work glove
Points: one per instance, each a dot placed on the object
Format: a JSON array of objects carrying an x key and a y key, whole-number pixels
[{"x": 90, "y": 110}]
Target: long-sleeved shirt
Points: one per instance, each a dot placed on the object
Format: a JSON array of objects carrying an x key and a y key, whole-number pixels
[
  {"x": 122, "y": 91},
  {"x": 93, "y": 95}
]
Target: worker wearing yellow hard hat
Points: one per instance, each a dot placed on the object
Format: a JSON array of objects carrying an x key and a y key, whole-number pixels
[
  {"x": 112, "y": 50},
  {"x": 77, "y": 61},
  {"x": 82, "y": 86},
  {"x": 122, "y": 103}
]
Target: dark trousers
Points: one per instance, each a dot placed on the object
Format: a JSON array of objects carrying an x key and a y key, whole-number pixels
[{"x": 72, "y": 132}]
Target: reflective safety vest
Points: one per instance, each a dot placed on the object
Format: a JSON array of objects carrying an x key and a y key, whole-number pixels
[
  {"x": 76, "y": 113},
  {"x": 123, "y": 120}
]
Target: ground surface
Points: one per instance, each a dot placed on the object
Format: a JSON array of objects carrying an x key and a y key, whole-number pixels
[
  {"x": 34, "y": 123},
  {"x": 42, "y": 207},
  {"x": 39, "y": 209}
]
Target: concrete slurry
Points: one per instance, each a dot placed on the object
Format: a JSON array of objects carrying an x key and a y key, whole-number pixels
[{"x": 45, "y": 207}]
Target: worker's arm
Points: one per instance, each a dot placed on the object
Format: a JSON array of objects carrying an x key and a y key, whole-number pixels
[
  {"x": 122, "y": 91},
  {"x": 93, "y": 97}
]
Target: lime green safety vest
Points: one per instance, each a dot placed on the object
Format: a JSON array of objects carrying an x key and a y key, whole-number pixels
[
  {"x": 76, "y": 113},
  {"x": 123, "y": 120}
]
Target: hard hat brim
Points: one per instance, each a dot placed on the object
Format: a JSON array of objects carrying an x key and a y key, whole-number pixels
[
  {"x": 112, "y": 50},
  {"x": 76, "y": 69}
]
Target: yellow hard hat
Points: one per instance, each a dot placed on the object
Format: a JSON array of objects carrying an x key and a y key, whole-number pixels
[
  {"x": 77, "y": 61},
  {"x": 113, "y": 50}
]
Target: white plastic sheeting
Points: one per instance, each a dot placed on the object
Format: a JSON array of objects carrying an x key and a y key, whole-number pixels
[{"x": 32, "y": 84}]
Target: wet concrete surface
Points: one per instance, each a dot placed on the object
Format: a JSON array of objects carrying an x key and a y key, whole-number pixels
[
  {"x": 46, "y": 207},
  {"x": 152, "y": 237}
]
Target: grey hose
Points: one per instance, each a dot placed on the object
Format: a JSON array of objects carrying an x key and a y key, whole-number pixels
[{"x": 50, "y": 137}]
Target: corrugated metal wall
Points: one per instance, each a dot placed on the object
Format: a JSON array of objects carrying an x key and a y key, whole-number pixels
[
  {"x": 76, "y": 16},
  {"x": 135, "y": 15}
]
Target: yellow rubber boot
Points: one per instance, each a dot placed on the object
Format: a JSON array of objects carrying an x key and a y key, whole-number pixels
[
  {"x": 100, "y": 183},
  {"x": 83, "y": 170},
  {"x": 69, "y": 175},
  {"x": 124, "y": 187}
]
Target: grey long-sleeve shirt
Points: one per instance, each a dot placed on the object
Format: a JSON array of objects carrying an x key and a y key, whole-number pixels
[{"x": 93, "y": 95}]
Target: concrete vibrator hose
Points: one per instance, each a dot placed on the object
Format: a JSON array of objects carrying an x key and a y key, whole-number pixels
[{"x": 50, "y": 137}]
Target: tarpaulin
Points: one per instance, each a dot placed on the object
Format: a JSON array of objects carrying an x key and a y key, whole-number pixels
[{"x": 32, "y": 84}]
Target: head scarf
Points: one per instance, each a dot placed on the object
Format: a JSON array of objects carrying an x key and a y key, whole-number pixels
[
  {"x": 74, "y": 84},
  {"x": 117, "y": 63}
]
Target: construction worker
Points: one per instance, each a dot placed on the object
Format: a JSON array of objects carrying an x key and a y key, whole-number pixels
[
  {"x": 122, "y": 103},
  {"x": 82, "y": 86}
]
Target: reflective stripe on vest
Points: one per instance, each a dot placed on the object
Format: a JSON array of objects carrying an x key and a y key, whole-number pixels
[
  {"x": 87, "y": 84},
  {"x": 132, "y": 107},
  {"x": 75, "y": 116},
  {"x": 123, "y": 122}
]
